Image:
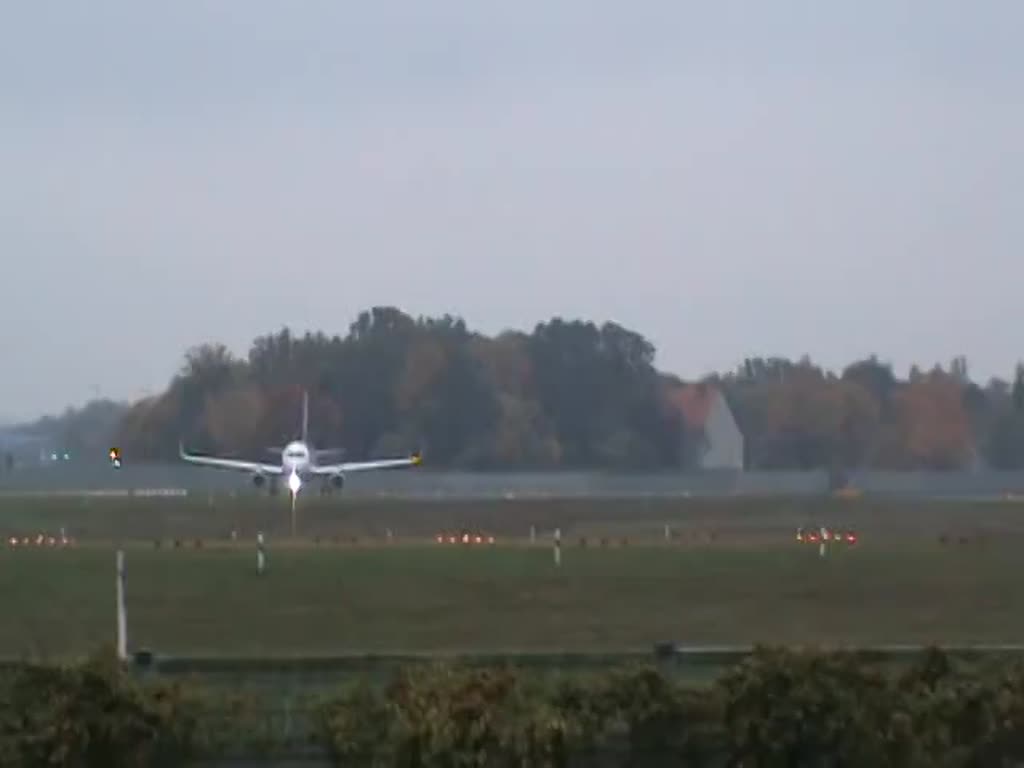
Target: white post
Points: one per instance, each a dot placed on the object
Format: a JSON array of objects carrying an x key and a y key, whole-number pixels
[
  {"x": 261, "y": 558},
  {"x": 668, "y": 533},
  {"x": 558, "y": 546},
  {"x": 533, "y": 534},
  {"x": 821, "y": 546},
  {"x": 122, "y": 619}
]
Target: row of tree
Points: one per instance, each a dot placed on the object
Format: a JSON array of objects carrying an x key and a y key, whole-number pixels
[
  {"x": 798, "y": 415},
  {"x": 778, "y": 708},
  {"x": 569, "y": 394}
]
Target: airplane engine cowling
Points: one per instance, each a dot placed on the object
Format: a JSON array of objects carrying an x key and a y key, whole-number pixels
[
  {"x": 338, "y": 481},
  {"x": 258, "y": 480}
]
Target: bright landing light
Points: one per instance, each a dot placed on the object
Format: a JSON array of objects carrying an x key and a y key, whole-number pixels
[{"x": 294, "y": 483}]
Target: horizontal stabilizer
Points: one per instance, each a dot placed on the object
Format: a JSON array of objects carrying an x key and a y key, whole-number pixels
[{"x": 324, "y": 453}]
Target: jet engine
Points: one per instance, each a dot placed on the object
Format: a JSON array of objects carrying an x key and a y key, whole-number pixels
[
  {"x": 338, "y": 481},
  {"x": 260, "y": 480}
]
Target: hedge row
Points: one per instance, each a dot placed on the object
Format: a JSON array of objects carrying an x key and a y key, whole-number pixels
[{"x": 777, "y": 708}]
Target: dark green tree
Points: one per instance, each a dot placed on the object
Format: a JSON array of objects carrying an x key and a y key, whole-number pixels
[{"x": 1018, "y": 388}]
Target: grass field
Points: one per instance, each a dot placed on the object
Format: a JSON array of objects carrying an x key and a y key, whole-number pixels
[{"x": 732, "y": 574}]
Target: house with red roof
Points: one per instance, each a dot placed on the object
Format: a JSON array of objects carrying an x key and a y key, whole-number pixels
[{"x": 715, "y": 439}]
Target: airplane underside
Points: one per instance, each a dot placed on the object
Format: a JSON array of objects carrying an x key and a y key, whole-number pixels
[{"x": 327, "y": 485}]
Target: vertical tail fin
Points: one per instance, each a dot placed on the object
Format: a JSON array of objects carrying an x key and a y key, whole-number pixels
[{"x": 305, "y": 416}]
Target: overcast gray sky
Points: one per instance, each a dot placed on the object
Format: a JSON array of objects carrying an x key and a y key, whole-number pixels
[{"x": 729, "y": 178}]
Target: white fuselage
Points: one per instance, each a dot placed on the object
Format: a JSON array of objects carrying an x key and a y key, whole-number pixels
[{"x": 296, "y": 458}]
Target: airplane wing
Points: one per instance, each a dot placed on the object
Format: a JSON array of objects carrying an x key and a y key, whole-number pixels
[
  {"x": 360, "y": 466},
  {"x": 236, "y": 464}
]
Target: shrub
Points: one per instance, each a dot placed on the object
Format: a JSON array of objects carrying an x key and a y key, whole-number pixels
[
  {"x": 776, "y": 708},
  {"x": 92, "y": 715}
]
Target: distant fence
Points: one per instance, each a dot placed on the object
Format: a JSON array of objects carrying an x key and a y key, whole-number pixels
[
  {"x": 176, "y": 479},
  {"x": 102, "y": 492}
]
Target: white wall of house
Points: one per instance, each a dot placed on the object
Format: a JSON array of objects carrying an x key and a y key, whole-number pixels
[{"x": 723, "y": 443}]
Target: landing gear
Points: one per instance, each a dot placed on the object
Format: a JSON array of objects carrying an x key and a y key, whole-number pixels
[{"x": 332, "y": 484}]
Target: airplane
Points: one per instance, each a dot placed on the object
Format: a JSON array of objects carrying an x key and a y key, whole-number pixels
[{"x": 300, "y": 461}]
